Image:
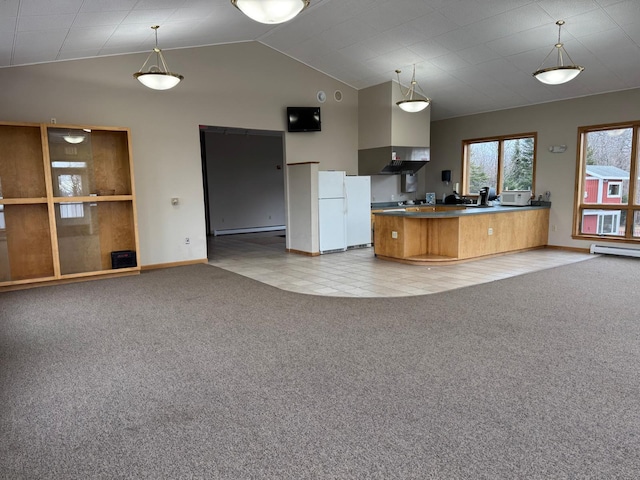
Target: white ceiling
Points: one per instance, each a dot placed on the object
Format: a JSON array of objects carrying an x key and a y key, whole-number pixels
[{"x": 471, "y": 55}]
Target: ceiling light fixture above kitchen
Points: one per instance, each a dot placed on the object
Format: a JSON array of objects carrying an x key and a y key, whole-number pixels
[
  {"x": 410, "y": 104},
  {"x": 73, "y": 138},
  {"x": 158, "y": 77},
  {"x": 561, "y": 73},
  {"x": 271, "y": 11}
]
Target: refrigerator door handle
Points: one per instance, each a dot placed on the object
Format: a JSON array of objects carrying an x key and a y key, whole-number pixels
[{"x": 345, "y": 194}]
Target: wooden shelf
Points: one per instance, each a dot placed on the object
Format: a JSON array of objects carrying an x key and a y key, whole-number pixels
[
  {"x": 55, "y": 225},
  {"x": 22, "y": 201},
  {"x": 431, "y": 258},
  {"x": 97, "y": 198}
]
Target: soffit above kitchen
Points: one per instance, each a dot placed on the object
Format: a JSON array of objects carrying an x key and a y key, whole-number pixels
[{"x": 471, "y": 56}]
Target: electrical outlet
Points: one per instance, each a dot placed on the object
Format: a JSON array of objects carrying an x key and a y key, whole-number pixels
[
  {"x": 53, "y": 120},
  {"x": 490, "y": 231},
  {"x": 394, "y": 234},
  {"x": 187, "y": 241}
]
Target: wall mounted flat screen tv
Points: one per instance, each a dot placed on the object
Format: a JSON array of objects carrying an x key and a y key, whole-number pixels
[{"x": 303, "y": 119}]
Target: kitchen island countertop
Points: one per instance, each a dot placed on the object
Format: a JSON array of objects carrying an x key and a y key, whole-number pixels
[
  {"x": 427, "y": 235},
  {"x": 452, "y": 210}
]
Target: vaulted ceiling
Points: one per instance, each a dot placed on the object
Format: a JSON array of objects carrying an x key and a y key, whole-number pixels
[{"x": 471, "y": 56}]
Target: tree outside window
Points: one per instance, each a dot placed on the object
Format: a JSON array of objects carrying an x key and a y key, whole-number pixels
[
  {"x": 70, "y": 186},
  {"x": 501, "y": 163}
]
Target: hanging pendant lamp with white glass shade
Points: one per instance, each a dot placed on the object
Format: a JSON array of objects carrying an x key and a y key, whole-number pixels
[
  {"x": 410, "y": 104},
  {"x": 74, "y": 138},
  {"x": 271, "y": 11},
  {"x": 560, "y": 73},
  {"x": 158, "y": 76}
]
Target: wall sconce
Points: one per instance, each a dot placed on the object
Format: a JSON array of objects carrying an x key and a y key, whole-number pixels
[{"x": 558, "y": 148}]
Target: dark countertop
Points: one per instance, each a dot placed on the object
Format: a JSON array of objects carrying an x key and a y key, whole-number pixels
[
  {"x": 460, "y": 212},
  {"x": 383, "y": 205}
]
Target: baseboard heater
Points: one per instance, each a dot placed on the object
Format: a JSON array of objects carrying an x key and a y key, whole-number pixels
[
  {"x": 625, "y": 251},
  {"x": 233, "y": 231}
]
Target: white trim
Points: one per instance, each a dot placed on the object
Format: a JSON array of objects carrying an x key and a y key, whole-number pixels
[
  {"x": 232, "y": 231},
  {"x": 619, "y": 184}
]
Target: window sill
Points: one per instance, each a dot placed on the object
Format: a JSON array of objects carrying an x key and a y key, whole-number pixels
[{"x": 606, "y": 238}]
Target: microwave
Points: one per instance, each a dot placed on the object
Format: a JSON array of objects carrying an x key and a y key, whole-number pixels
[{"x": 517, "y": 198}]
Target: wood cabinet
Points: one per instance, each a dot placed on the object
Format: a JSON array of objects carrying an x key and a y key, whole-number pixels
[
  {"x": 413, "y": 208},
  {"x": 423, "y": 238},
  {"x": 67, "y": 202}
]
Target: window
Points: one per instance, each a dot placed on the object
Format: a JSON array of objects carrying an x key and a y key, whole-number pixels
[
  {"x": 615, "y": 189},
  {"x": 70, "y": 186},
  {"x": 608, "y": 197},
  {"x": 501, "y": 163},
  {"x": 71, "y": 210}
]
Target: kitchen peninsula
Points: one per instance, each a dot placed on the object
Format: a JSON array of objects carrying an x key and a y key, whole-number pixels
[{"x": 441, "y": 235}]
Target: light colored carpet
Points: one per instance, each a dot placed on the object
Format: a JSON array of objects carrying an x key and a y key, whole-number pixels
[{"x": 195, "y": 372}]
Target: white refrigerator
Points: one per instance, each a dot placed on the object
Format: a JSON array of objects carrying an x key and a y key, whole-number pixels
[
  {"x": 332, "y": 209},
  {"x": 344, "y": 211},
  {"x": 358, "y": 196}
]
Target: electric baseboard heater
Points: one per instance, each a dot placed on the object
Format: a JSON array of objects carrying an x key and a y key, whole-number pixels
[{"x": 624, "y": 251}]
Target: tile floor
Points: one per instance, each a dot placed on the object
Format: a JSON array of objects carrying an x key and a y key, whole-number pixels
[{"x": 358, "y": 273}]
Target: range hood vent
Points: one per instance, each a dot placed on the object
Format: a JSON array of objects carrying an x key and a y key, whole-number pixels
[{"x": 392, "y": 160}]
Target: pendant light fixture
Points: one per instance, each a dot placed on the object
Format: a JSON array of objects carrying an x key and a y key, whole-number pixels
[
  {"x": 561, "y": 73},
  {"x": 410, "y": 104},
  {"x": 157, "y": 77},
  {"x": 271, "y": 11},
  {"x": 74, "y": 138}
]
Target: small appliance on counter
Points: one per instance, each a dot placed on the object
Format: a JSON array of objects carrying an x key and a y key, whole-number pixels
[
  {"x": 515, "y": 198},
  {"x": 483, "y": 196},
  {"x": 454, "y": 199}
]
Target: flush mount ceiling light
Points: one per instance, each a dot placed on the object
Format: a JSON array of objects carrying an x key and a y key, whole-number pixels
[
  {"x": 271, "y": 11},
  {"x": 410, "y": 104},
  {"x": 561, "y": 73},
  {"x": 157, "y": 77}
]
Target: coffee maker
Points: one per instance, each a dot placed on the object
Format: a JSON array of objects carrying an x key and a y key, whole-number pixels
[{"x": 483, "y": 196}]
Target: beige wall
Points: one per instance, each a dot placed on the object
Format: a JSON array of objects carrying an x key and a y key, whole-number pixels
[
  {"x": 240, "y": 85},
  {"x": 382, "y": 124},
  {"x": 249, "y": 85},
  {"x": 556, "y": 124}
]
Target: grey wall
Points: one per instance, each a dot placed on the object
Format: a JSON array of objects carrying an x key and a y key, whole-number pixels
[
  {"x": 245, "y": 85},
  {"x": 245, "y": 178},
  {"x": 556, "y": 123}
]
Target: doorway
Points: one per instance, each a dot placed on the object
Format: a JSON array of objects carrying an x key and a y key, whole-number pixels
[{"x": 243, "y": 176}]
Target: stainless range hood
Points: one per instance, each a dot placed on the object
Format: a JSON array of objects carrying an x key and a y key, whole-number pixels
[{"x": 392, "y": 160}]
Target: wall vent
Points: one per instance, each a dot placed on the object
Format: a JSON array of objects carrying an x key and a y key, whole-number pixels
[{"x": 624, "y": 251}]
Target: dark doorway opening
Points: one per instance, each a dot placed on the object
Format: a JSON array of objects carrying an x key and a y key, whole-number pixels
[{"x": 243, "y": 176}]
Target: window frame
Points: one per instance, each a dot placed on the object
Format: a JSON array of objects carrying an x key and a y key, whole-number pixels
[
  {"x": 466, "y": 171},
  {"x": 612, "y": 184},
  {"x": 630, "y": 208}
]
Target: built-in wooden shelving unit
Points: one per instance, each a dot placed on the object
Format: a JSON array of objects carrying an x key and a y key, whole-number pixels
[{"x": 67, "y": 201}]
